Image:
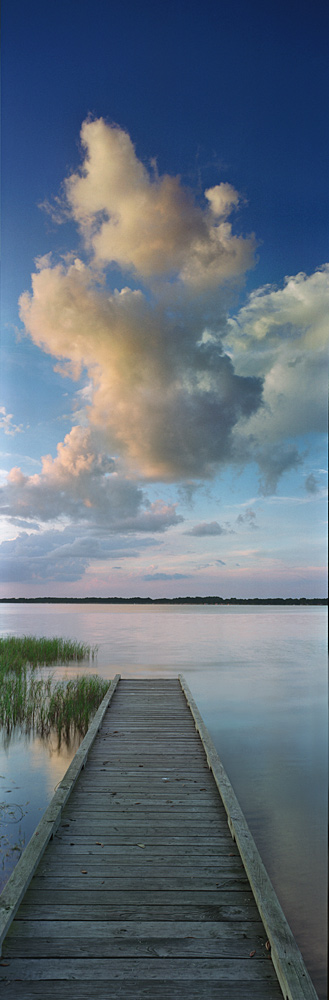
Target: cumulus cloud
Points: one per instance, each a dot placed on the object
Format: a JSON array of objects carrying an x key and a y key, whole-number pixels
[
  {"x": 33, "y": 558},
  {"x": 282, "y": 336},
  {"x": 165, "y": 394},
  {"x": 207, "y": 528},
  {"x": 161, "y": 387},
  {"x": 62, "y": 555},
  {"x": 174, "y": 389},
  {"x": 296, "y": 314},
  {"x": 83, "y": 485},
  {"x": 148, "y": 224}
]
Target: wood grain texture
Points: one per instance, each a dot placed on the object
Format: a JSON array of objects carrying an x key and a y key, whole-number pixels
[
  {"x": 230, "y": 907},
  {"x": 138, "y": 969},
  {"x": 128, "y": 989}
]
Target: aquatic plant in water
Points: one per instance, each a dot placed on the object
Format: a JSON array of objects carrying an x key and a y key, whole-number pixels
[
  {"x": 18, "y": 651},
  {"x": 38, "y": 704},
  {"x": 41, "y": 706}
]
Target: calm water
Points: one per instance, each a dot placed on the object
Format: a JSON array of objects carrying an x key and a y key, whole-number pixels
[{"x": 259, "y": 676}]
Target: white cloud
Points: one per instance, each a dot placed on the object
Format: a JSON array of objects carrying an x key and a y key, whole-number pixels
[
  {"x": 282, "y": 335},
  {"x": 148, "y": 224},
  {"x": 62, "y": 555},
  {"x": 6, "y": 423},
  {"x": 296, "y": 314},
  {"x": 83, "y": 485},
  {"x": 164, "y": 397}
]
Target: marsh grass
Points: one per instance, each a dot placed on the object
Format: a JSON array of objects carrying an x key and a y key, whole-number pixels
[
  {"x": 42, "y": 706},
  {"x": 18, "y": 651},
  {"x": 38, "y": 704}
]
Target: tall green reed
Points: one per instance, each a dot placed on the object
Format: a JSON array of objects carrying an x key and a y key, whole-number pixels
[
  {"x": 16, "y": 651},
  {"x": 38, "y": 704}
]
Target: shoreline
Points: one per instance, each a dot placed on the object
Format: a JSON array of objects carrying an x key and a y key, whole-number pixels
[{"x": 221, "y": 601}]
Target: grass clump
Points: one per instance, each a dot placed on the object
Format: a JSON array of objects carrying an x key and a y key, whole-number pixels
[
  {"x": 38, "y": 704},
  {"x": 17, "y": 652},
  {"x": 75, "y": 704},
  {"x": 43, "y": 706}
]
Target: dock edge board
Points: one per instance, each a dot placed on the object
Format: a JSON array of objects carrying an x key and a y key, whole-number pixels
[
  {"x": 293, "y": 977},
  {"x": 18, "y": 883}
]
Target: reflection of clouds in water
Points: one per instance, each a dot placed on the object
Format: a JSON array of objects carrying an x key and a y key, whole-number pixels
[
  {"x": 32, "y": 768},
  {"x": 46, "y": 756}
]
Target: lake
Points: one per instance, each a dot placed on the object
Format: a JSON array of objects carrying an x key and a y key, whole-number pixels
[{"x": 259, "y": 677}]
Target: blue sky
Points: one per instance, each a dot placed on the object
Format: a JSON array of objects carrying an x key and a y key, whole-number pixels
[{"x": 163, "y": 411}]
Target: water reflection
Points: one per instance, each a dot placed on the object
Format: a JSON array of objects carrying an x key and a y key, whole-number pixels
[{"x": 31, "y": 767}]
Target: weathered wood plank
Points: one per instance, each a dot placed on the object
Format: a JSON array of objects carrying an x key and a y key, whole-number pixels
[
  {"x": 112, "y": 760},
  {"x": 160, "y": 794},
  {"x": 179, "y": 728},
  {"x": 194, "y": 820},
  {"x": 216, "y": 812},
  {"x": 107, "y": 801},
  {"x": 101, "y": 867},
  {"x": 128, "y": 771},
  {"x": 127, "y": 749},
  {"x": 138, "y": 968},
  {"x": 228, "y": 908},
  {"x": 208, "y": 814},
  {"x": 154, "y": 897},
  {"x": 178, "y": 760},
  {"x": 162, "y": 789},
  {"x": 141, "y": 735},
  {"x": 135, "y": 772},
  {"x": 120, "y": 929},
  {"x": 126, "y": 781},
  {"x": 129, "y": 990},
  {"x": 158, "y": 841},
  {"x": 174, "y": 848},
  {"x": 159, "y": 797},
  {"x": 142, "y": 947},
  {"x": 105, "y": 883},
  {"x": 175, "y": 734},
  {"x": 80, "y": 822}
]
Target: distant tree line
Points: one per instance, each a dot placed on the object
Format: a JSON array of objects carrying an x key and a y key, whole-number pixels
[{"x": 323, "y": 601}]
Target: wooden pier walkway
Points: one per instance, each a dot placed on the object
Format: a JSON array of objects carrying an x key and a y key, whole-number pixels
[{"x": 141, "y": 893}]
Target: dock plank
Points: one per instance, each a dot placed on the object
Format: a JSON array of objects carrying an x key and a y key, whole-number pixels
[
  {"x": 138, "y": 969},
  {"x": 131, "y": 990},
  {"x": 232, "y": 906}
]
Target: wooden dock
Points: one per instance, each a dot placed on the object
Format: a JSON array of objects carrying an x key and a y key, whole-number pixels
[{"x": 132, "y": 887}]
